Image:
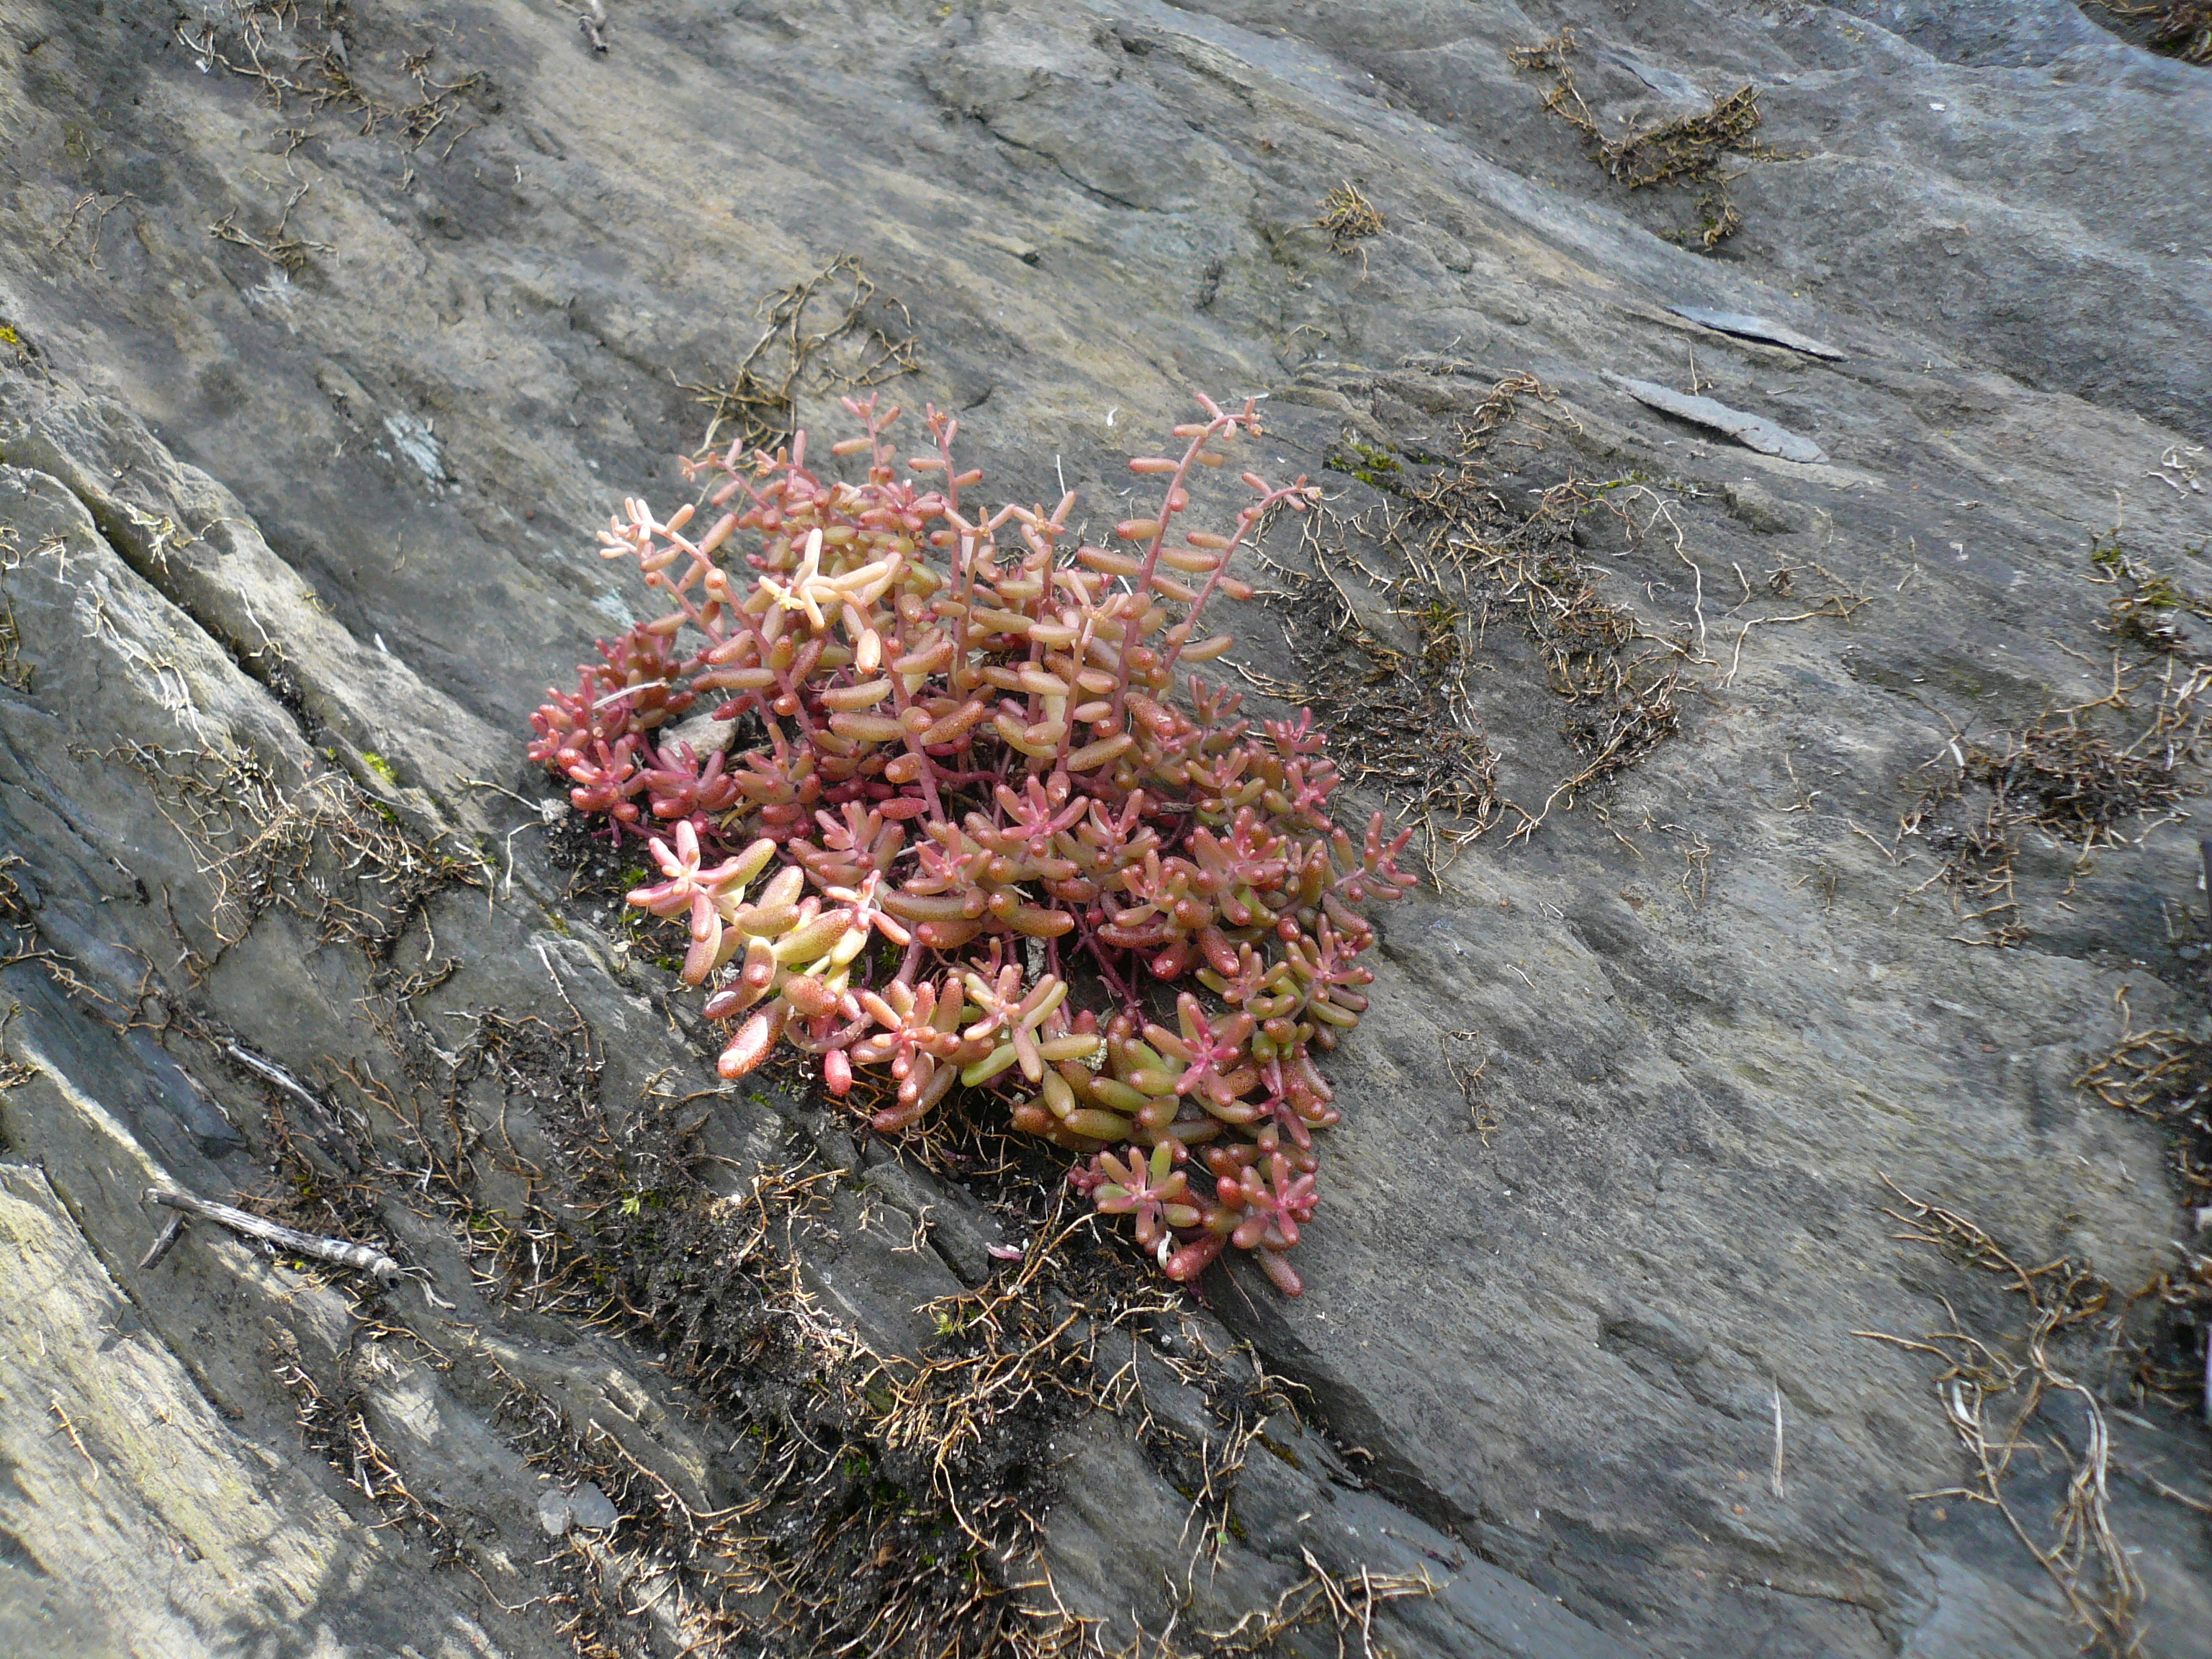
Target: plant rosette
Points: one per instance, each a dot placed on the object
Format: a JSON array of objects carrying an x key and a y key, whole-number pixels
[{"x": 976, "y": 798}]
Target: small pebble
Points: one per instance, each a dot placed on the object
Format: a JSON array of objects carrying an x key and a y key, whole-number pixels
[
  {"x": 553, "y": 1511},
  {"x": 591, "y": 1509}
]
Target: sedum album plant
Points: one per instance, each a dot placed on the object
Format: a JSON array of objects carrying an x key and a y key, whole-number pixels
[{"x": 976, "y": 812}]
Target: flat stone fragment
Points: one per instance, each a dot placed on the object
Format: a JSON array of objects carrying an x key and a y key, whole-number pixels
[
  {"x": 553, "y": 1512},
  {"x": 1758, "y": 328},
  {"x": 591, "y": 1509},
  {"x": 1753, "y": 431}
]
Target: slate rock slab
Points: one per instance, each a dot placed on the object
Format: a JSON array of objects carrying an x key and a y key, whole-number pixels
[
  {"x": 1751, "y": 431},
  {"x": 1759, "y": 328}
]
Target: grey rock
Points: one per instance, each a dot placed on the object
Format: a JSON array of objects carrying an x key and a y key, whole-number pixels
[
  {"x": 339, "y": 523},
  {"x": 1763, "y": 511}
]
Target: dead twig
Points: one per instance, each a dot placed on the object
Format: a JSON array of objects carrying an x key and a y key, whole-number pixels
[
  {"x": 1774, "y": 1478},
  {"x": 342, "y": 1252},
  {"x": 68, "y": 1428},
  {"x": 164, "y": 1242},
  {"x": 280, "y": 247},
  {"x": 761, "y": 398}
]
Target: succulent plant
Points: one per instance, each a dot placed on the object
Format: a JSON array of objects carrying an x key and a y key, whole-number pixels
[{"x": 975, "y": 806}]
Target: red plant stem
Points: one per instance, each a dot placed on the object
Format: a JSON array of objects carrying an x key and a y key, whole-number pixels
[
  {"x": 963, "y": 564},
  {"x": 1220, "y": 570},
  {"x": 1145, "y": 597},
  {"x": 701, "y": 563},
  {"x": 1078, "y": 653},
  {"x": 783, "y": 679},
  {"x": 1144, "y": 583},
  {"x": 1099, "y": 954},
  {"x": 901, "y": 702},
  {"x": 947, "y": 428},
  {"x": 971, "y": 777}
]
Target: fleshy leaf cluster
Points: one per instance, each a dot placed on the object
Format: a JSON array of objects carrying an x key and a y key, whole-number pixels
[{"x": 979, "y": 829}]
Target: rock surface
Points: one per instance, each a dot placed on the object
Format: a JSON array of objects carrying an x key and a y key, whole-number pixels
[{"x": 312, "y": 401}]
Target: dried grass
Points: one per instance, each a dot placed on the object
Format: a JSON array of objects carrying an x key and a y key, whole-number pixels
[
  {"x": 1349, "y": 1609},
  {"x": 14, "y": 1073},
  {"x": 1994, "y": 1392},
  {"x": 325, "y": 851},
  {"x": 704, "y": 1577},
  {"x": 2062, "y": 777},
  {"x": 1458, "y": 559},
  {"x": 313, "y": 70},
  {"x": 893, "y": 1503},
  {"x": 1349, "y": 218},
  {"x": 2150, "y": 609},
  {"x": 1401, "y": 724},
  {"x": 2179, "y": 28},
  {"x": 827, "y": 333},
  {"x": 336, "y": 1426},
  {"x": 1688, "y": 150},
  {"x": 15, "y": 673},
  {"x": 2164, "y": 1075}
]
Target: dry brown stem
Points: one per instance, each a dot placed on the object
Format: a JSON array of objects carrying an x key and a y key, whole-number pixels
[
  {"x": 2062, "y": 777},
  {"x": 826, "y": 332},
  {"x": 1407, "y": 723},
  {"x": 1348, "y": 217},
  {"x": 2085, "y": 1561},
  {"x": 1349, "y": 1609}
]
